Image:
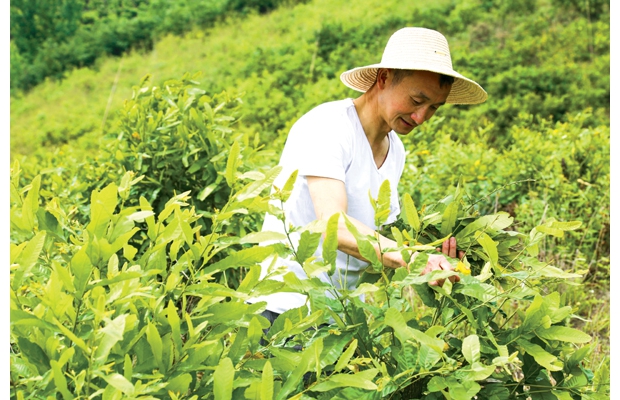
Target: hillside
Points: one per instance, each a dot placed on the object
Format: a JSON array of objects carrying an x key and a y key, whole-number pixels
[
  {"x": 284, "y": 70},
  {"x": 138, "y": 189}
]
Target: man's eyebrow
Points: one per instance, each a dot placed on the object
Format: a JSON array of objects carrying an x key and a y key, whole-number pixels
[
  {"x": 425, "y": 97},
  {"x": 421, "y": 94}
]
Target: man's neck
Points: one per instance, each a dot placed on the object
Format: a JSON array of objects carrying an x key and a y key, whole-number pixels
[{"x": 374, "y": 126}]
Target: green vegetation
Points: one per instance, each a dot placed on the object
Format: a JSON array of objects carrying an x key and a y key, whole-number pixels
[
  {"x": 50, "y": 37},
  {"x": 135, "y": 206}
]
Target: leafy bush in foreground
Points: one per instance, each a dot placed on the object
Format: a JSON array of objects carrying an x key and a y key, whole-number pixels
[{"x": 124, "y": 306}]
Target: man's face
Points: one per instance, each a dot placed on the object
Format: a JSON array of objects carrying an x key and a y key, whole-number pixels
[{"x": 411, "y": 101}]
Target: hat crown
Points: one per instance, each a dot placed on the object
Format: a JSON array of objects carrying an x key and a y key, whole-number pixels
[{"x": 412, "y": 48}]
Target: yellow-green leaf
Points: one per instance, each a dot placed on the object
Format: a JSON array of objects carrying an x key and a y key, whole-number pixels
[
  {"x": 563, "y": 334},
  {"x": 266, "y": 386},
  {"x": 542, "y": 357},
  {"x": 28, "y": 258},
  {"x": 223, "y": 380},
  {"x": 411, "y": 213},
  {"x": 232, "y": 164}
]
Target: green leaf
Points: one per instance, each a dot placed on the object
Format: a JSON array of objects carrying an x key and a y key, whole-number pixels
[
  {"x": 362, "y": 289},
  {"x": 175, "y": 325},
  {"x": 495, "y": 391},
  {"x": 416, "y": 279},
  {"x": 448, "y": 219},
  {"x": 232, "y": 164},
  {"x": 482, "y": 291},
  {"x": 542, "y": 357},
  {"x": 286, "y": 191},
  {"x": 497, "y": 221},
  {"x": 102, "y": 205},
  {"x": 563, "y": 334},
  {"x": 27, "y": 259},
  {"x": 180, "y": 384},
  {"x": 262, "y": 237},
  {"x": 242, "y": 258},
  {"x": 382, "y": 211},
  {"x": 251, "y": 279},
  {"x": 34, "y": 354},
  {"x": 256, "y": 188},
  {"x": 154, "y": 340},
  {"x": 330, "y": 243},
  {"x": 395, "y": 320},
  {"x": 308, "y": 243},
  {"x": 465, "y": 390},
  {"x": 255, "y": 333},
  {"x": 127, "y": 367},
  {"x": 109, "y": 336},
  {"x": 436, "y": 384},
  {"x": 344, "y": 359},
  {"x": 121, "y": 383},
  {"x": 471, "y": 348},
  {"x": 556, "y": 228},
  {"x": 411, "y": 216},
  {"x": 223, "y": 378},
  {"x": 207, "y": 190},
  {"x": 362, "y": 380},
  {"x": 308, "y": 360},
  {"x": 489, "y": 246},
  {"x": 81, "y": 267},
  {"x": 550, "y": 271},
  {"x": 266, "y": 385},
  {"x": 69, "y": 334},
  {"x": 314, "y": 268},
  {"x": 31, "y": 204},
  {"x": 476, "y": 372},
  {"x": 16, "y": 250},
  {"x": 60, "y": 381},
  {"x": 140, "y": 216},
  {"x": 365, "y": 247}
]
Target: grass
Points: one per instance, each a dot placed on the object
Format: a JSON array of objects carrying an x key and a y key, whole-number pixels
[{"x": 57, "y": 112}]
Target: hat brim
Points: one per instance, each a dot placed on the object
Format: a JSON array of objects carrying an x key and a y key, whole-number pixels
[{"x": 464, "y": 90}]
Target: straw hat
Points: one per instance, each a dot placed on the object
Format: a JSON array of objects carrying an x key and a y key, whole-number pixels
[{"x": 417, "y": 49}]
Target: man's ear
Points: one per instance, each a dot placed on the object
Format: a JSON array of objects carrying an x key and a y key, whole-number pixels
[{"x": 382, "y": 77}]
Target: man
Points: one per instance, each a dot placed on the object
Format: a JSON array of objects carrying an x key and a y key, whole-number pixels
[{"x": 344, "y": 149}]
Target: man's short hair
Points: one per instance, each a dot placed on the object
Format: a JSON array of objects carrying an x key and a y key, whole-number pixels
[{"x": 400, "y": 74}]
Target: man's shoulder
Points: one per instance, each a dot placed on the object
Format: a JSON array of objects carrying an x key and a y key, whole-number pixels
[{"x": 329, "y": 109}]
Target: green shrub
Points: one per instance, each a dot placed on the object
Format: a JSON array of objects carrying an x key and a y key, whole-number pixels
[
  {"x": 549, "y": 168},
  {"x": 94, "y": 314},
  {"x": 180, "y": 139}
]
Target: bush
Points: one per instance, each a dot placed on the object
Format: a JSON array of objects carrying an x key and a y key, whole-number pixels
[{"x": 124, "y": 306}]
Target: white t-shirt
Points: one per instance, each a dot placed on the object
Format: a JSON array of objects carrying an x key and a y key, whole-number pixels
[{"x": 329, "y": 141}]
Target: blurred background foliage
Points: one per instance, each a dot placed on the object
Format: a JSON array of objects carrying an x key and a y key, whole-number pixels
[
  {"x": 539, "y": 147},
  {"x": 50, "y": 37}
]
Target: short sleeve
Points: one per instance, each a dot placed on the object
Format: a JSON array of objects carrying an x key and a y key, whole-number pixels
[{"x": 320, "y": 144}]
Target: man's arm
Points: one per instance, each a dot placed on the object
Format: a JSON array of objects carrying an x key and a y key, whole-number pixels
[{"x": 329, "y": 197}]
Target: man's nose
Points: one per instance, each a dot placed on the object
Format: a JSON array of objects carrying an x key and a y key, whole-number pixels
[{"x": 420, "y": 115}]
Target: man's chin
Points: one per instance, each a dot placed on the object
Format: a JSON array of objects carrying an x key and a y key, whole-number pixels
[
  {"x": 404, "y": 127},
  {"x": 404, "y": 131}
]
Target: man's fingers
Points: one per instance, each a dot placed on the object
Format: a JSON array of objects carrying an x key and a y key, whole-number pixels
[
  {"x": 452, "y": 247},
  {"x": 448, "y": 247}
]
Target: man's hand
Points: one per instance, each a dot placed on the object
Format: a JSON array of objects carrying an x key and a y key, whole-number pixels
[{"x": 439, "y": 262}]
